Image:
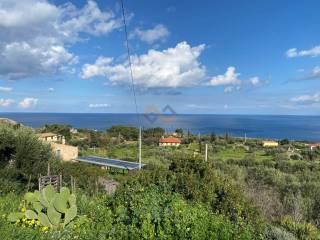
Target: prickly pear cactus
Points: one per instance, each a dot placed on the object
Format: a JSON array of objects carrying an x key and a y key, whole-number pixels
[{"x": 52, "y": 209}]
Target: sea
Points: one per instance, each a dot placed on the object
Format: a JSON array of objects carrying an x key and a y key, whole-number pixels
[{"x": 261, "y": 126}]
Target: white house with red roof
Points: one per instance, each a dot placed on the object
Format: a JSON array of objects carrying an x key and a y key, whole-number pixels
[
  {"x": 314, "y": 146},
  {"x": 169, "y": 141}
]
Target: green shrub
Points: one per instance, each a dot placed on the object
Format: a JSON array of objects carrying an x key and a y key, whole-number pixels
[
  {"x": 301, "y": 230},
  {"x": 276, "y": 233}
]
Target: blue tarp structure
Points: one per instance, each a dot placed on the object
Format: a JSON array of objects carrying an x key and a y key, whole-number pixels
[{"x": 108, "y": 162}]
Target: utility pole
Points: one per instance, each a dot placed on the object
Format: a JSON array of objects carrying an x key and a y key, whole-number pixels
[
  {"x": 199, "y": 140},
  {"x": 206, "y": 154},
  {"x": 245, "y": 137},
  {"x": 139, "y": 148}
]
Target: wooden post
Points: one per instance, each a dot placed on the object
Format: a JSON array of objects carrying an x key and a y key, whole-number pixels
[
  {"x": 140, "y": 144},
  {"x": 39, "y": 181},
  {"x": 60, "y": 180},
  {"x": 48, "y": 171},
  {"x": 206, "y": 153}
]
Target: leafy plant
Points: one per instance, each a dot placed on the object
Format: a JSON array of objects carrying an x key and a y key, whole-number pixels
[{"x": 52, "y": 209}]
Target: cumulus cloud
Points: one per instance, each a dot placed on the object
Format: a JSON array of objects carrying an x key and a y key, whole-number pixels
[
  {"x": 35, "y": 35},
  {"x": 305, "y": 99},
  {"x": 100, "y": 68},
  {"x": 159, "y": 32},
  {"x": 99, "y": 105},
  {"x": 312, "y": 52},
  {"x": 255, "y": 81},
  {"x": 172, "y": 67},
  {"x": 229, "y": 78},
  {"x": 51, "y": 89},
  {"x": 315, "y": 73},
  {"x": 6, "y": 102},
  {"x": 6, "y": 89},
  {"x": 28, "y": 102}
]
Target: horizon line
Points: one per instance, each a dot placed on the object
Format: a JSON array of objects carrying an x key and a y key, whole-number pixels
[{"x": 131, "y": 113}]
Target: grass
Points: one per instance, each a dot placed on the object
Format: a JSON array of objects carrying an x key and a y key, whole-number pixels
[{"x": 159, "y": 155}]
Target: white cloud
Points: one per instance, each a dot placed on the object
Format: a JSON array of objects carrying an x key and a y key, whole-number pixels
[
  {"x": 315, "y": 98},
  {"x": 231, "y": 89},
  {"x": 28, "y": 102},
  {"x": 35, "y": 35},
  {"x": 314, "y": 74},
  {"x": 5, "y": 89},
  {"x": 100, "y": 68},
  {"x": 294, "y": 52},
  {"x": 159, "y": 32},
  {"x": 6, "y": 102},
  {"x": 99, "y": 105},
  {"x": 229, "y": 78},
  {"x": 196, "y": 106},
  {"x": 51, "y": 89},
  {"x": 173, "y": 67},
  {"x": 255, "y": 81}
]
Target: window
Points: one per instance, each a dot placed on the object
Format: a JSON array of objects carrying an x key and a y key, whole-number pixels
[{"x": 58, "y": 152}]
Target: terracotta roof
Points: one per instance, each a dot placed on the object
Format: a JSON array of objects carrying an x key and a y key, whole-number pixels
[
  {"x": 314, "y": 145},
  {"x": 170, "y": 140}
]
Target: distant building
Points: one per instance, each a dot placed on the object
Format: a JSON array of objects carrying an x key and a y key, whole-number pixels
[
  {"x": 52, "y": 137},
  {"x": 173, "y": 134},
  {"x": 314, "y": 146},
  {"x": 169, "y": 141},
  {"x": 73, "y": 130},
  {"x": 58, "y": 145},
  {"x": 270, "y": 144}
]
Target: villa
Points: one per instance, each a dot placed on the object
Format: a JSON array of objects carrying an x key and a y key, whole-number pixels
[
  {"x": 314, "y": 146},
  {"x": 52, "y": 137},
  {"x": 169, "y": 141},
  {"x": 59, "y": 146},
  {"x": 270, "y": 144}
]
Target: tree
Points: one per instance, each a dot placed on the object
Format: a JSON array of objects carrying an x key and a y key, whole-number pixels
[
  {"x": 31, "y": 154},
  {"x": 129, "y": 133},
  {"x": 284, "y": 141},
  {"x": 213, "y": 137},
  {"x": 179, "y": 131},
  {"x": 153, "y": 132},
  {"x": 7, "y": 143},
  {"x": 63, "y": 130}
]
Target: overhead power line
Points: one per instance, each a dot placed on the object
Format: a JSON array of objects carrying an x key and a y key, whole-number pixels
[{"x": 130, "y": 62}]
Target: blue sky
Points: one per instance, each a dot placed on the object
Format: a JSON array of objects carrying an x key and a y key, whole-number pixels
[{"x": 232, "y": 57}]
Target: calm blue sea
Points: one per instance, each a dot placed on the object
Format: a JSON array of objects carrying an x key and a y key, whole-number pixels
[{"x": 264, "y": 126}]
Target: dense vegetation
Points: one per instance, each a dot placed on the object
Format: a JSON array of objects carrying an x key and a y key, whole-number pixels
[{"x": 244, "y": 191}]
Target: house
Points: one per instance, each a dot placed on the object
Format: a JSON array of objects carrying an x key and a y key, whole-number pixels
[
  {"x": 314, "y": 146},
  {"x": 52, "y": 137},
  {"x": 270, "y": 144},
  {"x": 73, "y": 130},
  {"x": 59, "y": 146},
  {"x": 169, "y": 141}
]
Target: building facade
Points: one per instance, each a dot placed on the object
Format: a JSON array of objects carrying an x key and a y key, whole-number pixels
[
  {"x": 59, "y": 146},
  {"x": 270, "y": 144},
  {"x": 170, "y": 141},
  {"x": 313, "y": 146}
]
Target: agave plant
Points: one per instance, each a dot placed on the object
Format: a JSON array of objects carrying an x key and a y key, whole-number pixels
[{"x": 52, "y": 209}]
